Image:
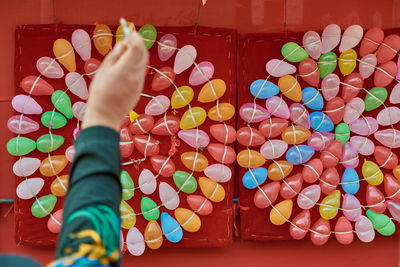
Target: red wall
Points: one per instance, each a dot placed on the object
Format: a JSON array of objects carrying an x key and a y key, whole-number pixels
[{"x": 243, "y": 15}]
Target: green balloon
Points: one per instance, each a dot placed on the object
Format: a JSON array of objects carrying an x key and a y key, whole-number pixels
[
  {"x": 45, "y": 207},
  {"x": 47, "y": 143},
  {"x": 58, "y": 120},
  {"x": 149, "y": 209},
  {"x": 293, "y": 52},
  {"x": 185, "y": 181},
  {"x": 342, "y": 132},
  {"x": 25, "y": 146},
  {"x": 381, "y": 222},
  {"x": 62, "y": 103},
  {"x": 128, "y": 187},
  {"x": 327, "y": 64},
  {"x": 148, "y": 32},
  {"x": 376, "y": 97}
]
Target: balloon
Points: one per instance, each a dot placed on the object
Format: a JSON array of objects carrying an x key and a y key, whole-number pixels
[
  {"x": 127, "y": 214},
  {"x": 149, "y": 208},
  {"x": 308, "y": 197},
  {"x": 382, "y": 223},
  {"x": 194, "y": 137},
  {"x": 363, "y": 145},
  {"x": 153, "y": 235},
  {"x": 335, "y": 109},
  {"x": 20, "y": 124},
  {"x": 221, "y": 153},
  {"x": 330, "y": 155},
  {"x": 320, "y": 122},
  {"x": 199, "y": 204},
  {"x": 201, "y": 76},
  {"x": 388, "y": 137},
  {"x": 263, "y": 89},
  {"x": 49, "y": 143},
  {"x": 312, "y": 44},
  {"x": 347, "y": 61},
  {"x": 146, "y": 145},
  {"x": 350, "y": 181},
  {"x": 385, "y": 158},
  {"x": 351, "y": 37},
  {"x": 294, "y": 135},
  {"x": 394, "y": 209},
  {"x": 330, "y": 86},
  {"x": 342, "y": 133},
  {"x": 375, "y": 199},
  {"x": 49, "y": 68},
  {"x": 62, "y": 103},
  {"x": 59, "y": 186},
  {"x": 41, "y": 87},
  {"x": 375, "y": 97},
  {"x": 392, "y": 187},
  {"x": 157, "y": 105},
  {"x": 308, "y": 70},
  {"x": 30, "y": 187},
  {"x": 279, "y": 68},
  {"x": 26, "y": 104},
  {"x": 171, "y": 228},
  {"x": 290, "y": 87},
  {"x": 254, "y": 177},
  {"x": 351, "y": 207},
  {"x": 388, "y": 116},
  {"x": 312, "y": 170},
  {"x": 194, "y": 161},
  {"x": 120, "y": 34},
  {"x": 267, "y": 195},
  {"x": 364, "y": 230},
  {"x": 26, "y": 166},
  {"x": 384, "y": 74},
  {"x": 82, "y": 44},
  {"x": 349, "y": 158},
  {"x": 344, "y": 231},
  {"x": 372, "y": 39},
  {"x": 329, "y": 180},
  {"x": 250, "y": 113},
  {"x": 55, "y": 222},
  {"x": 126, "y": 143},
  {"x": 226, "y": 112},
  {"x": 301, "y": 225},
  {"x": 364, "y": 126},
  {"x": 282, "y": 212},
  {"x": 149, "y": 34},
  {"x": 312, "y": 98},
  {"x": 163, "y": 165},
  {"x": 147, "y": 182},
  {"x": 327, "y": 64},
  {"x": 219, "y": 173},
  {"x": 182, "y": 98},
  {"x": 91, "y": 66},
  {"x": 293, "y": 52},
  {"x": 189, "y": 220},
  {"x": 142, "y": 125},
  {"x": 398, "y": 71},
  {"x": 167, "y": 46},
  {"x": 299, "y": 115},
  {"x": 102, "y": 38},
  {"x": 367, "y": 65},
  {"x": 318, "y": 141},
  {"x": 58, "y": 162},
  {"x": 250, "y": 159},
  {"x": 192, "y": 118},
  {"x": 389, "y": 48},
  {"x": 279, "y": 170},
  {"x": 351, "y": 86},
  {"x": 273, "y": 149},
  {"x": 20, "y": 146},
  {"x": 211, "y": 190},
  {"x": 43, "y": 206},
  {"x": 321, "y": 230},
  {"x": 185, "y": 181},
  {"x": 248, "y": 136},
  {"x": 168, "y": 196},
  {"x": 396, "y": 172},
  {"x": 184, "y": 58},
  {"x": 277, "y": 106},
  {"x": 211, "y": 91},
  {"x": 272, "y": 127},
  {"x": 353, "y": 109},
  {"x": 163, "y": 79},
  {"x": 223, "y": 133},
  {"x": 330, "y": 37},
  {"x": 52, "y": 119},
  {"x": 299, "y": 154},
  {"x": 291, "y": 186},
  {"x": 168, "y": 125},
  {"x": 330, "y": 205},
  {"x": 128, "y": 187},
  {"x": 65, "y": 54}
]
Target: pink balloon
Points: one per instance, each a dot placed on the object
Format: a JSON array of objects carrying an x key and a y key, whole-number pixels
[
  {"x": 394, "y": 209},
  {"x": 395, "y": 94},
  {"x": 299, "y": 115},
  {"x": 165, "y": 52},
  {"x": 349, "y": 157},
  {"x": 147, "y": 182},
  {"x": 184, "y": 58},
  {"x": 363, "y": 145},
  {"x": 273, "y": 149},
  {"x": 207, "y": 71},
  {"x": 219, "y": 173},
  {"x": 70, "y": 153},
  {"x": 330, "y": 86},
  {"x": 309, "y": 196},
  {"x": 330, "y": 37},
  {"x": 365, "y": 229},
  {"x": 351, "y": 37},
  {"x": 121, "y": 242},
  {"x": 320, "y": 140},
  {"x": 79, "y": 110},
  {"x": 398, "y": 69},
  {"x": 344, "y": 231},
  {"x": 364, "y": 126},
  {"x": 351, "y": 207},
  {"x": 29, "y": 188},
  {"x": 49, "y": 68},
  {"x": 353, "y": 109},
  {"x": 312, "y": 44},
  {"x": 190, "y": 136},
  {"x": 279, "y": 68},
  {"x": 26, "y": 104},
  {"x": 22, "y": 125},
  {"x": 55, "y": 221},
  {"x": 77, "y": 85},
  {"x": 26, "y": 166},
  {"x": 82, "y": 44},
  {"x": 157, "y": 105},
  {"x": 367, "y": 65},
  {"x": 135, "y": 242},
  {"x": 277, "y": 107},
  {"x": 388, "y": 116},
  {"x": 250, "y": 113},
  {"x": 388, "y": 137},
  {"x": 168, "y": 196}
]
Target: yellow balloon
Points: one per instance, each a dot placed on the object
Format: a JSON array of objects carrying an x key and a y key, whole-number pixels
[
  {"x": 153, "y": 235},
  {"x": 330, "y": 205},
  {"x": 188, "y": 158},
  {"x": 188, "y": 121},
  {"x": 176, "y": 99},
  {"x": 128, "y": 217},
  {"x": 250, "y": 159},
  {"x": 120, "y": 31},
  {"x": 347, "y": 61},
  {"x": 226, "y": 111},
  {"x": 279, "y": 170},
  {"x": 372, "y": 173},
  {"x": 62, "y": 48},
  {"x": 211, "y": 189},
  {"x": 189, "y": 220},
  {"x": 207, "y": 95},
  {"x": 285, "y": 208},
  {"x": 290, "y": 87}
]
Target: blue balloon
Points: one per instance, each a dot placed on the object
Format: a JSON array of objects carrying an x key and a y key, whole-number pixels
[
  {"x": 260, "y": 175},
  {"x": 267, "y": 90},
  {"x": 171, "y": 228},
  {"x": 350, "y": 181},
  {"x": 299, "y": 154},
  {"x": 312, "y": 98},
  {"x": 320, "y": 122}
]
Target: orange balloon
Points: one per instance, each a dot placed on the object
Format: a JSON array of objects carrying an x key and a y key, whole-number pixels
[
  {"x": 189, "y": 220},
  {"x": 59, "y": 187},
  {"x": 59, "y": 162},
  {"x": 188, "y": 159},
  {"x": 250, "y": 159},
  {"x": 211, "y": 190},
  {"x": 207, "y": 95},
  {"x": 396, "y": 172},
  {"x": 290, "y": 87},
  {"x": 226, "y": 111},
  {"x": 65, "y": 54},
  {"x": 295, "y": 134},
  {"x": 102, "y": 42},
  {"x": 285, "y": 208},
  {"x": 279, "y": 170},
  {"x": 153, "y": 235}
]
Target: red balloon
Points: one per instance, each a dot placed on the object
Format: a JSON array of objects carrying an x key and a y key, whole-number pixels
[
  {"x": 330, "y": 156},
  {"x": 385, "y": 157},
  {"x": 152, "y": 148},
  {"x": 392, "y": 187},
  {"x": 312, "y": 170},
  {"x": 303, "y": 223},
  {"x": 388, "y": 49},
  {"x": 168, "y": 166},
  {"x": 166, "y": 126},
  {"x": 351, "y": 86},
  {"x": 292, "y": 186},
  {"x": 375, "y": 199},
  {"x": 125, "y": 122},
  {"x": 91, "y": 65},
  {"x": 335, "y": 109},
  {"x": 372, "y": 38},
  {"x": 41, "y": 87},
  {"x": 309, "y": 72},
  {"x": 273, "y": 127},
  {"x": 323, "y": 229},
  {"x": 223, "y": 131},
  {"x": 222, "y": 153},
  {"x": 343, "y": 231},
  {"x": 384, "y": 74},
  {"x": 142, "y": 125},
  {"x": 245, "y": 135},
  {"x": 126, "y": 142},
  {"x": 160, "y": 82},
  {"x": 329, "y": 180},
  {"x": 199, "y": 204},
  {"x": 270, "y": 190}
]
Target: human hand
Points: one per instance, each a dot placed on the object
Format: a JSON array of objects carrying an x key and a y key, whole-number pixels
[{"x": 116, "y": 87}]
